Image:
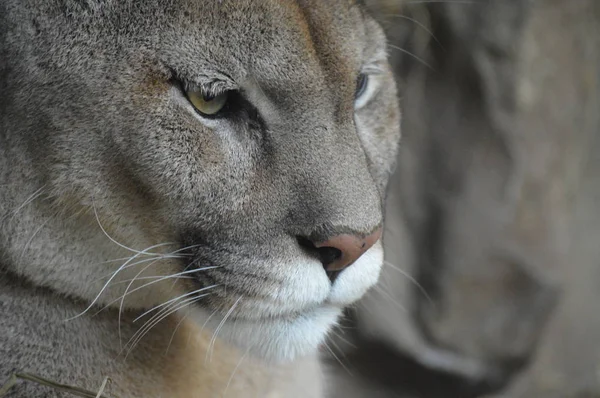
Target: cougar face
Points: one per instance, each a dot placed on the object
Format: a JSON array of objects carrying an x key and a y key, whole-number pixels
[{"x": 225, "y": 159}]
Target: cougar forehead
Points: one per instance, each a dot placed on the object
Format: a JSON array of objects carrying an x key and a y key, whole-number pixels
[{"x": 119, "y": 164}]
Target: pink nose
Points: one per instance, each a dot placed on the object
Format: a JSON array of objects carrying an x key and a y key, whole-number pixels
[{"x": 350, "y": 248}]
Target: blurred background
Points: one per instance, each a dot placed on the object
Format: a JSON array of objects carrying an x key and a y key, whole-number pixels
[{"x": 491, "y": 286}]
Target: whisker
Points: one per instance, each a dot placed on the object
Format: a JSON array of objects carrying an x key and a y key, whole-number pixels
[
  {"x": 145, "y": 278},
  {"x": 183, "y": 318},
  {"x": 166, "y": 314},
  {"x": 337, "y": 347},
  {"x": 162, "y": 278},
  {"x": 27, "y": 201},
  {"x": 443, "y": 1},
  {"x": 115, "y": 260},
  {"x": 381, "y": 290},
  {"x": 129, "y": 265},
  {"x": 419, "y": 24},
  {"x": 412, "y": 280},
  {"x": 153, "y": 258},
  {"x": 339, "y": 336},
  {"x": 175, "y": 299},
  {"x": 108, "y": 282},
  {"x": 337, "y": 359},
  {"x": 235, "y": 371},
  {"x": 422, "y": 61},
  {"x": 212, "y": 341},
  {"x": 125, "y": 294},
  {"x": 145, "y": 251},
  {"x": 202, "y": 328},
  {"x": 185, "y": 248},
  {"x": 159, "y": 317},
  {"x": 207, "y": 320},
  {"x": 185, "y": 269},
  {"x": 26, "y": 246}
]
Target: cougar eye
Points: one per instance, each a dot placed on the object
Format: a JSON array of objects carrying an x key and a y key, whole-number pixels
[
  {"x": 205, "y": 104},
  {"x": 361, "y": 85}
]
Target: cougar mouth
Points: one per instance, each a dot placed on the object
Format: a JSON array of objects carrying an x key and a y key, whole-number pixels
[
  {"x": 276, "y": 339},
  {"x": 276, "y": 307}
]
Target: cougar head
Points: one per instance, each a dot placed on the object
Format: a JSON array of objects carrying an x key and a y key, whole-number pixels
[{"x": 227, "y": 158}]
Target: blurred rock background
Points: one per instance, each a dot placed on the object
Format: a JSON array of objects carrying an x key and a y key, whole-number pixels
[{"x": 492, "y": 281}]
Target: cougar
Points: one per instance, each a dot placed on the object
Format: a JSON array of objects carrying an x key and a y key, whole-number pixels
[{"x": 190, "y": 191}]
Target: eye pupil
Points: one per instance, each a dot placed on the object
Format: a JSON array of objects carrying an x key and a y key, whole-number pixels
[{"x": 361, "y": 85}]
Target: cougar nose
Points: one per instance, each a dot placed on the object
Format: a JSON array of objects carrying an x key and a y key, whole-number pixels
[
  {"x": 349, "y": 247},
  {"x": 340, "y": 251}
]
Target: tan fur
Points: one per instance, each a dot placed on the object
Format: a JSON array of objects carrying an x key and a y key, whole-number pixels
[
  {"x": 189, "y": 369},
  {"x": 110, "y": 180}
]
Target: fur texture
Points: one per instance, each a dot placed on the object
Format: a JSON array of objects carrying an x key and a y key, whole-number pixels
[{"x": 110, "y": 180}]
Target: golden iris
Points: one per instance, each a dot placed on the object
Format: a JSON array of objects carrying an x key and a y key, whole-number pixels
[{"x": 206, "y": 104}]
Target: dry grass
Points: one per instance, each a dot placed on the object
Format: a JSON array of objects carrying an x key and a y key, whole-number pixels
[{"x": 76, "y": 391}]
